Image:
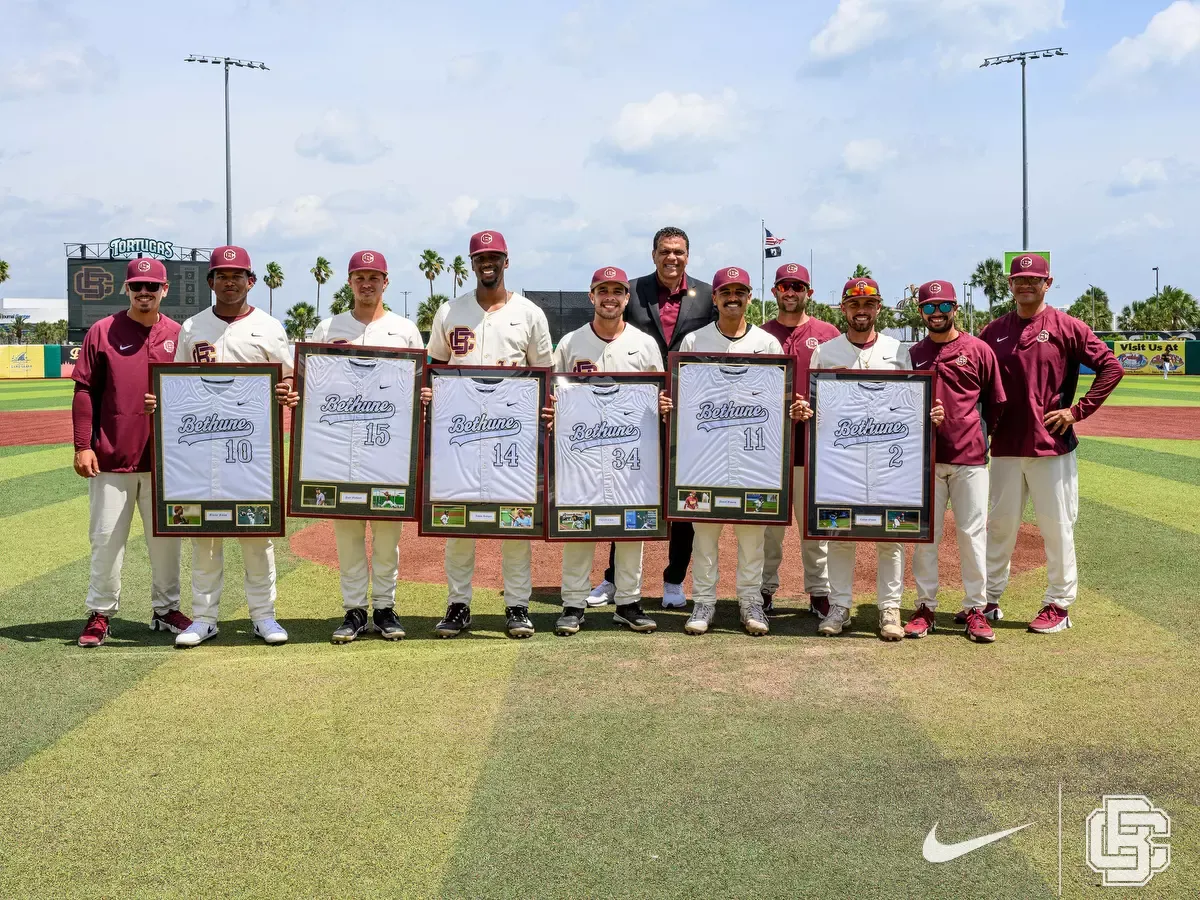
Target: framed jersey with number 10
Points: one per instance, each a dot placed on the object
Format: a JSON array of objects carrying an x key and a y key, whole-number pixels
[
  {"x": 355, "y": 432},
  {"x": 730, "y": 453}
]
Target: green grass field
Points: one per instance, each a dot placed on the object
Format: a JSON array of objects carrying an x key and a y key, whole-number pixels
[{"x": 604, "y": 765}]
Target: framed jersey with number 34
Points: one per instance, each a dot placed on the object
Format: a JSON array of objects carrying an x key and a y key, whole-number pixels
[
  {"x": 218, "y": 438},
  {"x": 355, "y": 432},
  {"x": 869, "y": 475},
  {"x": 729, "y": 457}
]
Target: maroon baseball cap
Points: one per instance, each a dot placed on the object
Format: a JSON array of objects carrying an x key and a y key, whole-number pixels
[
  {"x": 861, "y": 287},
  {"x": 146, "y": 270},
  {"x": 230, "y": 258},
  {"x": 731, "y": 275},
  {"x": 1029, "y": 264},
  {"x": 792, "y": 272},
  {"x": 936, "y": 292},
  {"x": 610, "y": 273},
  {"x": 371, "y": 260},
  {"x": 488, "y": 242}
]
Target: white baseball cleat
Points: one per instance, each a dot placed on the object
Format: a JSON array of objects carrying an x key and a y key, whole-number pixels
[
  {"x": 673, "y": 597},
  {"x": 270, "y": 631},
  {"x": 195, "y": 634},
  {"x": 602, "y": 594}
]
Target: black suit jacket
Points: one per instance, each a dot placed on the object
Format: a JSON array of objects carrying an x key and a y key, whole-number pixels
[{"x": 695, "y": 311}]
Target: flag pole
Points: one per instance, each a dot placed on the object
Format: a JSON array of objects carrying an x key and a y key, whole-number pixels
[{"x": 762, "y": 260}]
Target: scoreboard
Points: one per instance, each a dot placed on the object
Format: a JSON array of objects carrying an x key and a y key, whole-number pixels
[{"x": 94, "y": 291}]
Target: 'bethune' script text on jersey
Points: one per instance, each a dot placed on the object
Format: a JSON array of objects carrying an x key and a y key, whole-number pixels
[{"x": 606, "y": 444}]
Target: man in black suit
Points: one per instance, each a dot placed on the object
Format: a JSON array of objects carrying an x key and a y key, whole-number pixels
[{"x": 667, "y": 305}]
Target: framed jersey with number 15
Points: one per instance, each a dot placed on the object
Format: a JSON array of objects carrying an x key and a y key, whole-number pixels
[
  {"x": 355, "y": 432},
  {"x": 729, "y": 457}
]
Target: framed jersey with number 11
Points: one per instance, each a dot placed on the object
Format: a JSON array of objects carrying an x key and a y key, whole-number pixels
[
  {"x": 355, "y": 432},
  {"x": 730, "y": 449}
]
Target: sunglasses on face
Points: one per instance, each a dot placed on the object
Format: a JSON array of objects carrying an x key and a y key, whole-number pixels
[
  {"x": 148, "y": 287},
  {"x": 945, "y": 306},
  {"x": 863, "y": 290},
  {"x": 797, "y": 286}
]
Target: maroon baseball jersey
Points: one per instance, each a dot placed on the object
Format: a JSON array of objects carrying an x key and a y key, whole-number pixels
[
  {"x": 778, "y": 330},
  {"x": 801, "y": 343},
  {"x": 1039, "y": 364},
  {"x": 970, "y": 389},
  {"x": 113, "y": 371}
]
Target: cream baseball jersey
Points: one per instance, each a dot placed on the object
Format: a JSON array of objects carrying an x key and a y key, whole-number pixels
[
  {"x": 357, "y": 419},
  {"x": 254, "y": 337},
  {"x": 606, "y": 444},
  {"x": 885, "y": 353},
  {"x": 389, "y": 330},
  {"x": 484, "y": 439},
  {"x": 516, "y": 334},
  {"x": 630, "y": 351},
  {"x": 729, "y": 425},
  {"x": 216, "y": 435},
  {"x": 870, "y": 437},
  {"x": 709, "y": 339}
]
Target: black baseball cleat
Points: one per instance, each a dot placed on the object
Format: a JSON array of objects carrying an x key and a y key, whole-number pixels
[
  {"x": 456, "y": 619},
  {"x": 519, "y": 625},
  {"x": 569, "y": 622},
  {"x": 352, "y": 626},
  {"x": 387, "y": 624},
  {"x": 768, "y": 598},
  {"x": 634, "y": 618}
]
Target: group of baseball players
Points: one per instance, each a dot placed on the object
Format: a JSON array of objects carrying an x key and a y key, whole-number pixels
[{"x": 1008, "y": 394}]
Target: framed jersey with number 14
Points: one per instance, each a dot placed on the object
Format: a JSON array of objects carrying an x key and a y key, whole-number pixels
[
  {"x": 729, "y": 457},
  {"x": 869, "y": 474},
  {"x": 355, "y": 432}
]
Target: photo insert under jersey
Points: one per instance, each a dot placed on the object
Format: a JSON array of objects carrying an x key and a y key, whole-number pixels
[
  {"x": 357, "y": 420},
  {"x": 484, "y": 434},
  {"x": 216, "y": 433},
  {"x": 606, "y": 445},
  {"x": 870, "y": 437},
  {"x": 730, "y": 425}
]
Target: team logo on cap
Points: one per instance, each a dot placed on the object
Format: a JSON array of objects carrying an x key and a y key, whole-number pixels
[
  {"x": 144, "y": 266},
  {"x": 811, "y": 343},
  {"x": 169, "y": 346},
  {"x": 792, "y": 268},
  {"x": 935, "y": 288},
  {"x": 368, "y": 257},
  {"x": 860, "y": 284},
  {"x": 230, "y": 254},
  {"x": 1026, "y": 262},
  {"x": 1043, "y": 336},
  {"x": 485, "y": 238},
  {"x": 733, "y": 273},
  {"x": 610, "y": 272},
  {"x": 961, "y": 361}
]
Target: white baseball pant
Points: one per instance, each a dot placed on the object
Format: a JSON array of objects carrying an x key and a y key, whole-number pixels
[
  {"x": 1053, "y": 484},
  {"x": 379, "y": 577},
  {"x": 208, "y": 577},
  {"x": 578, "y": 557},
  {"x": 966, "y": 487},
  {"x": 815, "y": 554},
  {"x": 706, "y": 568},
  {"x": 516, "y": 565},
  {"x": 112, "y": 497},
  {"x": 889, "y": 580}
]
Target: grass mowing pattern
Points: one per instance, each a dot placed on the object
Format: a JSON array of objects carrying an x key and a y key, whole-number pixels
[{"x": 1145, "y": 390}]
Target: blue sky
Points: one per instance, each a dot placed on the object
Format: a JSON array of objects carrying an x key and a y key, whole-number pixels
[{"x": 862, "y": 129}]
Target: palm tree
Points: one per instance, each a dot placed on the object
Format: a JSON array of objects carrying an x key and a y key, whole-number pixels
[
  {"x": 322, "y": 272},
  {"x": 17, "y": 329},
  {"x": 273, "y": 280},
  {"x": 433, "y": 266},
  {"x": 989, "y": 276},
  {"x": 343, "y": 300},
  {"x": 301, "y": 319},
  {"x": 461, "y": 271},
  {"x": 3, "y": 271},
  {"x": 427, "y": 309},
  {"x": 1178, "y": 308},
  {"x": 861, "y": 271},
  {"x": 1096, "y": 299}
]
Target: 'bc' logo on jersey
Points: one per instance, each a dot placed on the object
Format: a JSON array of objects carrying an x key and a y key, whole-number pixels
[
  {"x": 462, "y": 340},
  {"x": 93, "y": 283},
  {"x": 585, "y": 365},
  {"x": 204, "y": 352}
]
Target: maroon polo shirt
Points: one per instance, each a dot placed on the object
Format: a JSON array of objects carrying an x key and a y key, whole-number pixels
[
  {"x": 971, "y": 391},
  {"x": 112, "y": 377},
  {"x": 778, "y": 330},
  {"x": 800, "y": 343},
  {"x": 668, "y": 306},
  {"x": 1039, "y": 364}
]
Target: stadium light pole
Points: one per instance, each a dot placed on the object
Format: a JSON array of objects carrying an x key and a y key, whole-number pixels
[
  {"x": 1155, "y": 282},
  {"x": 1023, "y": 57},
  {"x": 228, "y": 61}
]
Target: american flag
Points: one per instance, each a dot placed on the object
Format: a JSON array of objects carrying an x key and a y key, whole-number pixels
[{"x": 771, "y": 240}]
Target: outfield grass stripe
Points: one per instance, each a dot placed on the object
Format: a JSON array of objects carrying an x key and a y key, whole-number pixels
[
  {"x": 44, "y": 489},
  {"x": 25, "y": 449},
  {"x": 1169, "y": 466},
  {"x": 1149, "y": 496},
  {"x": 32, "y": 395},
  {"x": 1190, "y": 449},
  {"x": 50, "y": 536},
  {"x": 41, "y": 459},
  {"x": 36, "y": 403}
]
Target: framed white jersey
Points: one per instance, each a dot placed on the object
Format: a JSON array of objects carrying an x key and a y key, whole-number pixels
[
  {"x": 355, "y": 434},
  {"x": 731, "y": 437},
  {"x": 870, "y": 450},
  {"x": 607, "y": 462},
  {"x": 217, "y": 449},
  {"x": 484, "y": 451}
]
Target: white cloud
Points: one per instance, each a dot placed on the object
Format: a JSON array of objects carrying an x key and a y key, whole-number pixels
[
  {"x": 1172, "y": 35},
  {"x": 461, "y": 208},
  {"x": 65, "y": 71},
  {"x": 343, "y": 138},
  {"x": 866, "y": 155},
  {"x": 471, "y": 68},
  {"x": 828, "y": 217},
  {"x": 1129, "y": 227},
  {"x": 1139, "y": 175},
  {"x": 303, "y": 217},
  {"x": 672, "y": 131},
  {"x": 854, "y": 24}
]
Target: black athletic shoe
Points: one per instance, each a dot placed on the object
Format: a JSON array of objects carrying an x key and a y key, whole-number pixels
[
  {"x": 387, "y": 624},
  {"x": 456, "y": 619},
  {"x": 768, "y": 602},
  {"x": 569, "y": 622},
  {"x": 519, "y": 625},
  {"x": 634, "y": 618},
  {"x": 352, "y": 626}
]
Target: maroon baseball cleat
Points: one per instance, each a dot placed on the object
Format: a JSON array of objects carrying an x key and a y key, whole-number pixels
[
  {"x": 921, "y": 623},
  {"x": 818, "y": 606},
  {"x": 95, "y": 631},
  {"x": 978, "y": 628},
  {"x": 173, "y": 621},
  {"x": 991, "y": 611},
  {"x": 1051, "y": 619}
]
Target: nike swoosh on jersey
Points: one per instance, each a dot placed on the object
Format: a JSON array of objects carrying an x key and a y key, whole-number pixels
[
  {"x": 999, "y": 339},
  {"x": 935, "y": 851},
  {"x": 255, "y": 334},
  {"x": 514, "y": 323},
  {"x": 921, "y": 364},
  {"x": 632, "y": 352},
  {"x": 125, "y": 347}
]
